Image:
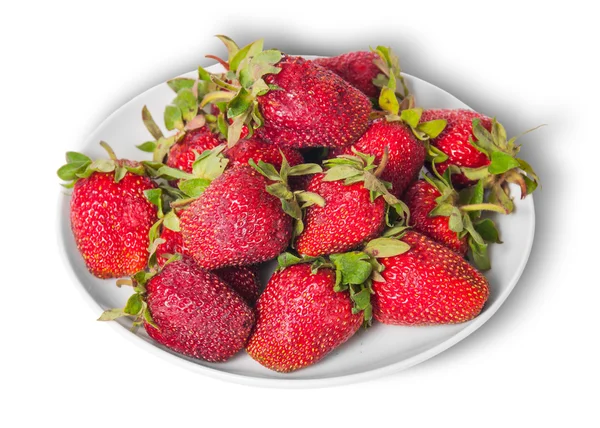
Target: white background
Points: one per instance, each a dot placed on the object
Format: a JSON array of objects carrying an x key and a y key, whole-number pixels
[{"x": 68, "y": 66}]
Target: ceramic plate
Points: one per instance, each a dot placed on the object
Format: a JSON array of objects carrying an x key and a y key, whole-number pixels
[{"x": 377, "y": 351}]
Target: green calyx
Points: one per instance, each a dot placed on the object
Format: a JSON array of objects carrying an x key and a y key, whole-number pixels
[
  {"x": 389, "y": 65},
  {"x": 464, "y": 210},
  {"x": 355, "y": 271},
  {"x": 361, "y": 167},
  {"x": 238, "y": 89},
  {"x": 504, "y": 167},
  {"x": 293, "y": 203},
  {"x": 80, "y": 166},
  {"x": 136, "y": 306}
]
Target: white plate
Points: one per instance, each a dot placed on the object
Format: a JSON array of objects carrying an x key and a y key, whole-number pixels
[{"x": 370, "y": 353}]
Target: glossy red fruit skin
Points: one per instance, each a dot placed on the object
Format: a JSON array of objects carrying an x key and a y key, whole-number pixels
[
  {"x": 406, "y": 153},
  {"x": 173, "y": 244},
  {"x": 356, "y": 68},
  {"x": 243, "y": 279},
  {"x": 300, "y": 319},
  {"x": 347, "y": 220},
  {"x": 315, "y": 108},
  {"x": 429, "y": 284},
  {"x": 183, "y": 153},
  {"x": 254, "y": 149},
  {"x": 235, "y": 222},
  {"x": 110, "y": 222},
  {"x": 454, "y": 141},
  {"x": 197, "y": 314},
  {"x": 420, "y": 199}
]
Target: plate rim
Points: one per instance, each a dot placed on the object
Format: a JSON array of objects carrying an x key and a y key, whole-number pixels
[{"x": 329, "y": 381}]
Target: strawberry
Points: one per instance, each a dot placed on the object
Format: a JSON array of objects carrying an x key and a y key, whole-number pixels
[
  {"x": 454, "y": 144},
  {"x": 288, "y": 101},
  {"x": 366, "y": 71},
  {"x": 479, "y": 146},
  {"x": 243, "y": 279},
  {"x": 257, "y": 150},
  {"x": 300, "y": 319},
  {"x": 312, "y": 305},
  {"x": 184, "y": 152},
  {"x": 110, "y": 215},
  {"x": 353, "y": 212},
  {"x": 452, "y": 218},
  {"x": 428, "y": 284},
  {"x": 190, "y": 311}
]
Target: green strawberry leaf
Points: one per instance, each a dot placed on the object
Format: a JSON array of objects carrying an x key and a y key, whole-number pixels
[
  {"x": 480, "y": 255},
  {"x": 341, "y": 172},
  {"x": 354, "y": 267},
  {"x": 280, "y": 190},
  {"x": 194, "y": 187},
  {"x": 78, "y": 158},
  {"x": 180, "y": 83},
  {"x": 134, "y": 304},
  {"x": 112, "y": 314},
  {"x": 488, "y": 231},
  {"x": 501, "y": 162},
  {"x": 266, "y": 169},
  {"x": 246, "y": 52},
  {"x": 388, "y": 101},
  {"x": 150, "y": 124},
  {"x": 411, "y": 116},
  {"x": 305, "y": 169},
  {"x": 148, "y": 146},
  {"x": 173, "y": 118},
  {"x": 455, "y": 220},
  {"x": 309, "y": 198},
  {"x": 187, "y": 102},
  {"x": 433, "y": 128},
  {"x": 385, "y": 247},
  {"x": 171, "y": 221},
  {"x": 442, "y": 210}
]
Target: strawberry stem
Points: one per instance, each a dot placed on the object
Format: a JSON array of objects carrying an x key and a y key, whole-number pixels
[
  {"x": 383, "y": 163},
  {"x": 482, "y": 207},
  {"x": 219, "y": 60}
]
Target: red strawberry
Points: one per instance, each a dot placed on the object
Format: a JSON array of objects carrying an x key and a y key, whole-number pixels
[
  {"x": 428, "y": 284},
  {"x": 289, "y": 101},
  {"x": 235, "y": 221},
  {"x": 243, "y": 279},
  {"x": 406, "y": 152},
  {"x": 189, "y": 311},
  {"x": 183, "y": 153},
  {"x": 110, "y": 216},
  {"x": 480, "y": 148},
  {"x": 454, "y": 140},
  {"x": 300, "y": 319},
  {"x": 364, "y": 69},
  {"x": 257, "y": 150},
  {"x": 421, "y": 200}
]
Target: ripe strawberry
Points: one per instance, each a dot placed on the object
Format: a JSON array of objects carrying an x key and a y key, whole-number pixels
[
  {"x": 184, "y": 152},
  {"x": 173, "y": 245},
  {"x": 406, "y": 152},
  {"x": 479, "y": 146},
  {"x": 257, "y": 150},
  {"x": 289, "y": 101},
  {"x": 428, "y": 284},
  {"x": 300, "y": 319},
  {"x": 243, "y": 279},
  {"x": 353, "y": 212},
  {"x": 454, "y": 141},
  {"x": 451, "y": 218},
  {"x": 190, "y": 311},
  {"x": 366, "y": 71},
  {"x": 235, "y": 221},
  {"x": 110, "y": 215}
]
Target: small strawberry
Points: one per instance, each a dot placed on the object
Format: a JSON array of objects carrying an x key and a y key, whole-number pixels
[
  {"x": 110, "y": 214},
  {"x": 353, "y": 212},
  {"x": 287, "y": 100},
  {"x": 367, "y": 71},
  {"x": 452, "y": 218},
  {"x": 479, "y": 146},
  {"x": 243, "y": 279},
  {"x": 401, "y": 133},
  {"x": 428, "y": 284},
  {"x": 190, "y": 311},
  {"x": 184, "y": 152}
]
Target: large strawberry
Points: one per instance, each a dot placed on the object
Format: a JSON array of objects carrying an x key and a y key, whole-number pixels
[
  {"x": 288, "y": 101},
  {"x": 401, "y": 133},
  {"x": 190, "y": 311},
  {"x": 367, "y": 71},
  {"x": 354, "y": 210},
  {"x": 428, "y": 284},
  {"x": 479, "y": 146},
  {"x": 452, "y": 218},
  {"x": 311, "y": 305},
  {"x": 110, "y": 214}
]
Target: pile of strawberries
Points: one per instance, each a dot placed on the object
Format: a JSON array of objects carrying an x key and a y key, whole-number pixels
[{"x": 372, "y": 206}]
